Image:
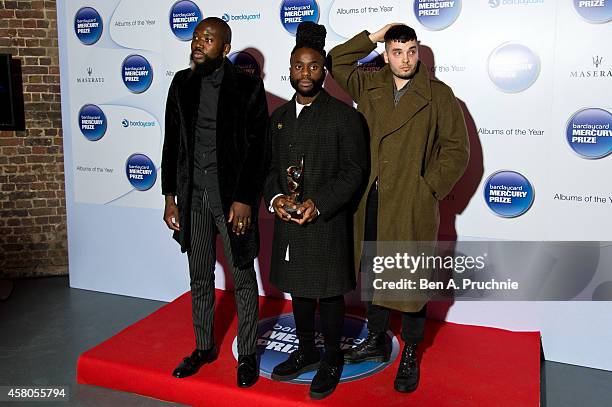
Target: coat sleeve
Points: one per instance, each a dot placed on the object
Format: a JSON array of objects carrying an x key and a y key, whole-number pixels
[
  {"x": 452, "y": 153},
  {"x": 253, "y": 171},
  {"x": 339, "y": 191},
  {"x": 344, "y": 58},
  {"x": 171, "y": 141}
]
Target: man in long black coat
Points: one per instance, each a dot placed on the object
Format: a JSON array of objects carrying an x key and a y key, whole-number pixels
[
  {"x": 312, "y": 257},
  {"x": 212, "y": 175}
]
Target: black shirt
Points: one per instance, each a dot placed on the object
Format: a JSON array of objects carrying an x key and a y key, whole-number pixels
[{"x": 205, "y": 147}]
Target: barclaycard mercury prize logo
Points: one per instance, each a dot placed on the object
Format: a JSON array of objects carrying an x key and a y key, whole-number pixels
[
  {"x": 140, "y": 171},
  {"x": 293, "y": 12},
  {"x": 92, "y": 122},
  {"x": 589, "y": 133},
  {"x": 136, "y": 73},
  {"x": 594, "y": 11},
  {"x": 277, "y": 338},
  {"x": 436, "y": 15},
  {"x": 88, "y": 25},
  {"x": 508, "y": 194},
  {"x": 184, "y": 17},
  {"x": 513, "y": 67}
]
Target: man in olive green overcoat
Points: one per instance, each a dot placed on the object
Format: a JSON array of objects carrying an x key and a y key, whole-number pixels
[{"x": 419, "y": 148}]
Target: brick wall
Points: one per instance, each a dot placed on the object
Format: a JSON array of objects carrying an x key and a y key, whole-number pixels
[{"x": 32, "y": 204}]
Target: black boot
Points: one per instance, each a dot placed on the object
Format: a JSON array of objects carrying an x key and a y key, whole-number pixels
[
  {"x": 192, "y": 363},
  {"x": 375, "y": 348},
  {"x": 248, "y": 371},
  {"x": 408, "y": 372},
  {"x": 299, "y": 362},
  {"x": 325, "y": 381}
]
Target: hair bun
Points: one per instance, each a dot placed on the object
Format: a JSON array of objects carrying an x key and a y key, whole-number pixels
[{"x": 311, "y": 35}]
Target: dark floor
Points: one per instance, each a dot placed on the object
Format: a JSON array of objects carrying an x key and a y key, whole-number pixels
[{"x": 45, "y": 325}]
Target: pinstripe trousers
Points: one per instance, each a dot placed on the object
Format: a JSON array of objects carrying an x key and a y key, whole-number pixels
[{"x": 202, "y": 258}]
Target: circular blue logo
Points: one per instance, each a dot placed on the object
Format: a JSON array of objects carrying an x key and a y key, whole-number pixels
[
  {"x": 184, "y": 16},
  {"x": 277, "y": 338},
  {"x": 92, "y": 122},
  {"x": 599, "y": 11},
  {"x": 140, "y": 171},
  {"x": 246, "y": 62},
  {"x": 513, "y": 67},
  {"x": 137, "y": 73},
  {"x": 293, "y": 12},
  {"x": 589, "y": 133},
  {"x": 436, "y": 15},
  {"x": 372, "y": 63},
  {"x": 88, "y": 25},
  {"x": 508, "y": 194}
]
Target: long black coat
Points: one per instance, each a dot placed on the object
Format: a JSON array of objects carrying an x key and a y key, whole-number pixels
[
  {"x": 242, "y": 124},
  {"x": 330, "y": 136}
]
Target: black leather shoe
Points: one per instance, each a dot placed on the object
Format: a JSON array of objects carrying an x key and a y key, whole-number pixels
[
  {"x": 192, "y": 363},
  {"x": 248, "y": 371},
  {"x": 325, "y": 381},
  {"x": 298, "y": 362},
  {"x": 375, "y": 348},
  {"x": 408, "y": 372}
]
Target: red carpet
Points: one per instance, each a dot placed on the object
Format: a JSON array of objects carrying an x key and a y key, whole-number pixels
[{"x": 461, "y": 366}]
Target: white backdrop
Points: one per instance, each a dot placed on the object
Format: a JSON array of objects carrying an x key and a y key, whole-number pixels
[{"x": 523, "y": 71}]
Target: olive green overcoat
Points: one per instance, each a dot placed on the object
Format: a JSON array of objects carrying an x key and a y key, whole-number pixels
[{"x": 418, "y": 150}]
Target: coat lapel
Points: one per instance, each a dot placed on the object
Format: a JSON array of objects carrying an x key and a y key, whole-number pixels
[
  {"x": 381, "y": 94},
  {"x": 415, "y": 99},
  {"x": 289, "y": 120},
  {"x": 190, "y": 97},
  {"x": 283, "y": 132}
]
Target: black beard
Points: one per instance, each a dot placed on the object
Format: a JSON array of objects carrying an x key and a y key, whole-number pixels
[
  {"x": 207, "y": 67},
  {"x": 407, "y": 76},
  {"x": 316, "y": 87}
]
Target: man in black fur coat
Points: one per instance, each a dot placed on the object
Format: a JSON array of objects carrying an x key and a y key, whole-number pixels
[{"x": 212, "y": 176}]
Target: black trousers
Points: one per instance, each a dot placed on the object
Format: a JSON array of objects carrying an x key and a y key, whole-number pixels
[
  {"x": 413, "y": 323},
  {"x": 202, "y": 259},
  {"x": 331, "y": 310}
]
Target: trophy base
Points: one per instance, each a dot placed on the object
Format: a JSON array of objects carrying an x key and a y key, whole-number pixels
[{"x": 292, "y": 212}]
